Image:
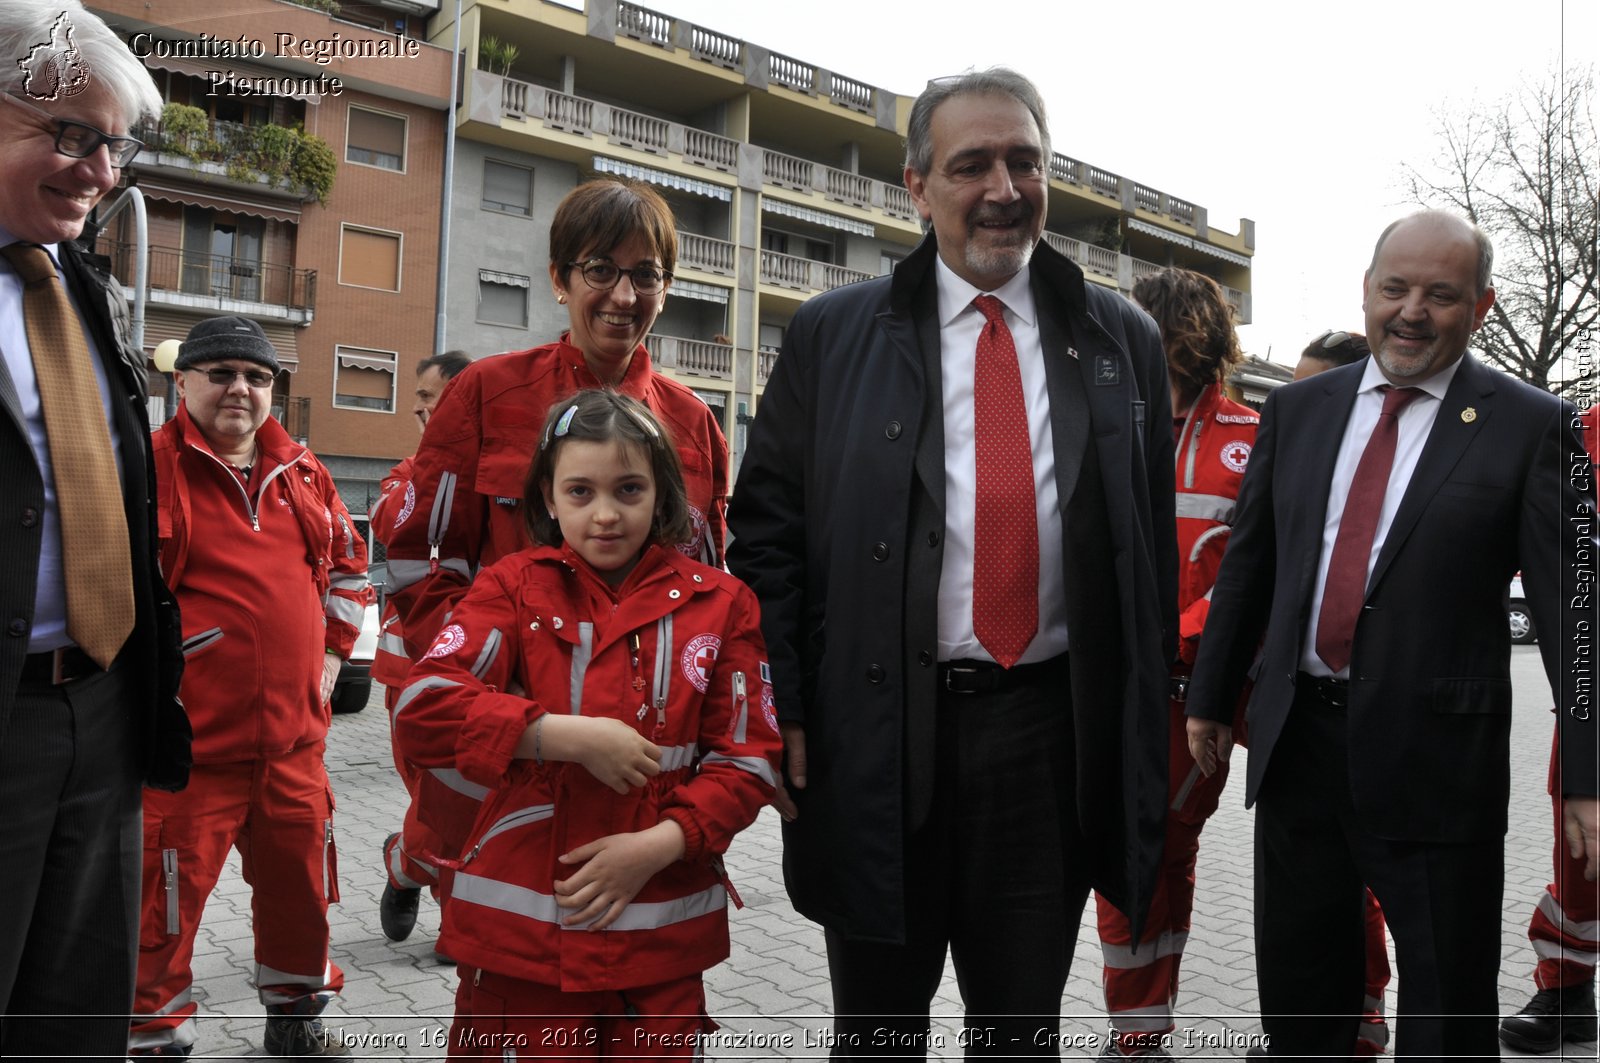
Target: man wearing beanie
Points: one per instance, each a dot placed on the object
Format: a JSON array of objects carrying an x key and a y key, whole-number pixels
[{"x": 271, "y": 580}]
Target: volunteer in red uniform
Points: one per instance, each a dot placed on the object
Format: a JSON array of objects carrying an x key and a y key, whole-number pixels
[
  {"x": 613, "y": 246},
  {"x": 1214, "y": 435},
  {"x": 408, "y": 871},
  {"x": 612, "y": 697},
  {"x": 1565, "y": 928},
  {"x": 272, "y": 582}
]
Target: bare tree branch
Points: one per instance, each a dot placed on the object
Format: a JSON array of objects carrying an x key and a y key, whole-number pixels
[{"x": 1526, "y": 170}]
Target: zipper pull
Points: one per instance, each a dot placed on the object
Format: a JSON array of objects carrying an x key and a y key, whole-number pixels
[{"x": 433, "y": 559}]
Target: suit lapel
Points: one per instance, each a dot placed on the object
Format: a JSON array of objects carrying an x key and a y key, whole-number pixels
[
  {"x": 9, "y": 400},
  {"x": 1452, "y": 431}
]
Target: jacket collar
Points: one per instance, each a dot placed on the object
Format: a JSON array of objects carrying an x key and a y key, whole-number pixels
[
  {"x": 1051, "y": 272},
  {"x": 635, "y": 383},
  {"x": 273, "y": 443}
]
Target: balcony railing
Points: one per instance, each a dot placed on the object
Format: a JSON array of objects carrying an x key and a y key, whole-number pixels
[
  {"x": 248, "y": 154},
  {"x": 693, "y": 357},
  {"x": 221, "y": 277},
  {"x": 642, "y": 24},
  {"x": 294, "y": 413},
  {"x": 705, "y": 253},
  {"x": 805, "y": 274},
  {"x": 766, "y": 358}
]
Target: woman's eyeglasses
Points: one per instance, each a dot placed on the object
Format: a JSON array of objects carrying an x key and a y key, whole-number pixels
[
  {"x": 77, "y": 140},
  {"x": 602, "y": 275}
]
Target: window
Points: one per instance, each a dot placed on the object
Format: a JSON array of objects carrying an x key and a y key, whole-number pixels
[
  {"x": 364, "y": 379},
  {"x": 506, "y": 188},
  {"x": 376, "y": 139},
  {"x": 369, "y": 258},
  {"x": 221, "y": 254},
  {"x": 502, "y": 298}
]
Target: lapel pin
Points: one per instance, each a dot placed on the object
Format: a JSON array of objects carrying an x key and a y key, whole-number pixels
[
  {"x": 1072, "y": 352},
  {"x": 1469, "y": 415}
]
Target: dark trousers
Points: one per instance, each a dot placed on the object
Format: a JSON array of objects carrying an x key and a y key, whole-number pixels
[
  {"x": 991, "y": 876},
  {"x": 69, "y": 844},
  {"x": 1442, "y": 902}
]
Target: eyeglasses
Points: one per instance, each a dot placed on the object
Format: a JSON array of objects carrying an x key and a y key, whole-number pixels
[
  {"x": 223, "y": 378},
  {"x": 1330, "y": 340},
  {"x": 602, "y": 275},
  {"x": 79, "y": 141}
]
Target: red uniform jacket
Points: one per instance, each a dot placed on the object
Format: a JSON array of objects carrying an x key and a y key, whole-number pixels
[
  {"x": 266, "y": 578},
  {"x": 1212, "y": 450},
  {"x": 390, "y": 664},
  {"x": 462, "y": 507},
  {"x": 676, "y": 652}
]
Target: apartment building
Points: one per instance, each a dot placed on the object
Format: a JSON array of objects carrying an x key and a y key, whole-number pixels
[
  {"x": 296, "y": 179},
  {"x": 785, "y": 178}
]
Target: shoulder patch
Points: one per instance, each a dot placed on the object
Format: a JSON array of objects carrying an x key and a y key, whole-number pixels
[
  {"x": 409, "y": 506},
  {"x": 1235, "y": 455},
  {"x": 447, "y": 642},
  {"x": 699, "y": 658}
]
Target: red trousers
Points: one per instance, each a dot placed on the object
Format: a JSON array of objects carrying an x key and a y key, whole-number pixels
[
  {"x": 1141, "y": 986},
  {"x": 278, "y": 812},
  {"x": 409, "y": 859},
  {"x": 1565, "y": 928},
  {"x": 501, "y": 1018}
]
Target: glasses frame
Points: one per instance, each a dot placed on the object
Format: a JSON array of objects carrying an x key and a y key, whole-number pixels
[
  {"x": 223, "y": 377},
  {"x": 657, "y": 286},
  {"x": 120, "y": 150}
]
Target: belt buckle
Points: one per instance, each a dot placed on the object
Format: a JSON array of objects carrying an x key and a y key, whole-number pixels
[{"x": 950, "y": 671}]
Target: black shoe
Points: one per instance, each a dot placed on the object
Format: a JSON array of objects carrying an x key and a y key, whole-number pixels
[
  {"x": 397, "y": 911},
  {"x": 297, "y": 1037},
  {"x": 1551, "y": 1017}
]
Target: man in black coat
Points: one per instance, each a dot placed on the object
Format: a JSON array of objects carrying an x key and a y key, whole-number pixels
[
  {"x": 952, "y": 787},
  {"x": 78, "y": 734},
  {"x": 1380, "y": 717}
]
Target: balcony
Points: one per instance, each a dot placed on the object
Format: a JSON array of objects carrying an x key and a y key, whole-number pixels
[
  {"x": 805, "y": 274},
  {"x": 294, "y": 413},
  {"x": 766, "y": 358},
  {"x": 691, "y": 357},
  {"x": 218, "y": 282},
  {"x": 705, "y": 253},
  {"x": 267, "y": 159}
]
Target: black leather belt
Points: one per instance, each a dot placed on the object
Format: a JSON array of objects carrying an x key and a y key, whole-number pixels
[
  {"x": 986, "y": 677},
  {"x": 1334, "y": 693},
  {"x": 55, "y": 667}
]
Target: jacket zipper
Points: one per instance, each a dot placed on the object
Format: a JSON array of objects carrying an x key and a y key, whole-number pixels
[{"x": 169, "y": 871}]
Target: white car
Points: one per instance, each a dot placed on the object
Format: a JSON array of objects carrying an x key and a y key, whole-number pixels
[
  {"x": 1517, "y": 615},
  {"x": 354, "y": 685}
]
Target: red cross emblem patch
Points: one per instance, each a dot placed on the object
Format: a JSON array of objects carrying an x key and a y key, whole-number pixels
[
  {"x": 1236, "y": 455},
  {"x": 699, "y": 658}
]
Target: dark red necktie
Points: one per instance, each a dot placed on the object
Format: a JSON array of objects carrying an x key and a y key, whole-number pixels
[
  {"x": 1346, "y": 586},
  {"x": 1005, "y": 541}
]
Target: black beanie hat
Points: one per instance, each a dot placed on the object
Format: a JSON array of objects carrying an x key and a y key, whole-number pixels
[{"x": 217, "y": 338}]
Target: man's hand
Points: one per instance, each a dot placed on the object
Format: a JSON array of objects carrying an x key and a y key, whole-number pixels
[
  {"x": 330, "y": 674},
  {"x": 1210, "y": 744},
  {"x": 1580, "y": 822},
  {"x": 615, "y": 868},
  {"x": 794, "y": 755}
]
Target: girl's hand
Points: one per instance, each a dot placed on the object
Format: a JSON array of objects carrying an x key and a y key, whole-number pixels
[
  {"x": 609, "y": 749},
  {"x": 617, "y": 868}
]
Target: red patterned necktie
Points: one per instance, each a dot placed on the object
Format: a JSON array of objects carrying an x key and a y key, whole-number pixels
[
  {"x": 1005, "y": 541},
  {"x": 94, "y": 531},
  {"x": 1346, "y": 585}
]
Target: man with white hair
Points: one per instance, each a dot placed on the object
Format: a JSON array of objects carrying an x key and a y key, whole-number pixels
[{"x": 90, "y": 663}]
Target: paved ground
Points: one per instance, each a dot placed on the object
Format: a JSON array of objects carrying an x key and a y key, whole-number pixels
[{"x": 772, "y": 996}]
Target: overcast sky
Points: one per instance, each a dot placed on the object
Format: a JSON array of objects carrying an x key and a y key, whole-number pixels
[{"x": 1298, "y": 119}]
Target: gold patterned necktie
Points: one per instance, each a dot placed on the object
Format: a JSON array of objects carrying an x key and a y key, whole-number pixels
[{"x": 95, "y": 560}]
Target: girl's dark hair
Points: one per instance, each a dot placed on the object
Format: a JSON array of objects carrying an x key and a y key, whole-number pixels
[
  {"x": 601, "y": 415},
  {"x": 1196, "y": 326}
]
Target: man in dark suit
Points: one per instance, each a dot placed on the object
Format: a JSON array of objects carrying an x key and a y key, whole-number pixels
[
  {"x": 1380, "y": 718},
  {"x": 88, "y": 706},
  {"x": 957, "y": 510}
]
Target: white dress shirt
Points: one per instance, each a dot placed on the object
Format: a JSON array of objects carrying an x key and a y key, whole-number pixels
[
  {"x": 50, "y": 595},
  {"x": 1415, "y": 422},
  {"x": 960, "y": 323}
]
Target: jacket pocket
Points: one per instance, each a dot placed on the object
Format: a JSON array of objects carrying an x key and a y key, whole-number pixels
[
  {"x": 202, "y": 641},
  {"x": 1472, "y": 696}
]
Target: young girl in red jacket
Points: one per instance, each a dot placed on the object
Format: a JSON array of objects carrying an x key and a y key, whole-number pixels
[{"x": 611, "y": 696}]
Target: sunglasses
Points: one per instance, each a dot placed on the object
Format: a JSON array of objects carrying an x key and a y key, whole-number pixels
[
  {"x": 223, "y": 378},
  {"x": 77, "y": 140}
]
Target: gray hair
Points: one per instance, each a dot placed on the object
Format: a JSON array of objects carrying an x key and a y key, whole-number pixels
[
  {"x": 31, "y": 47},
  {"x": 996, "y": 81},
  {"x": 1485, "y": 245}
]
